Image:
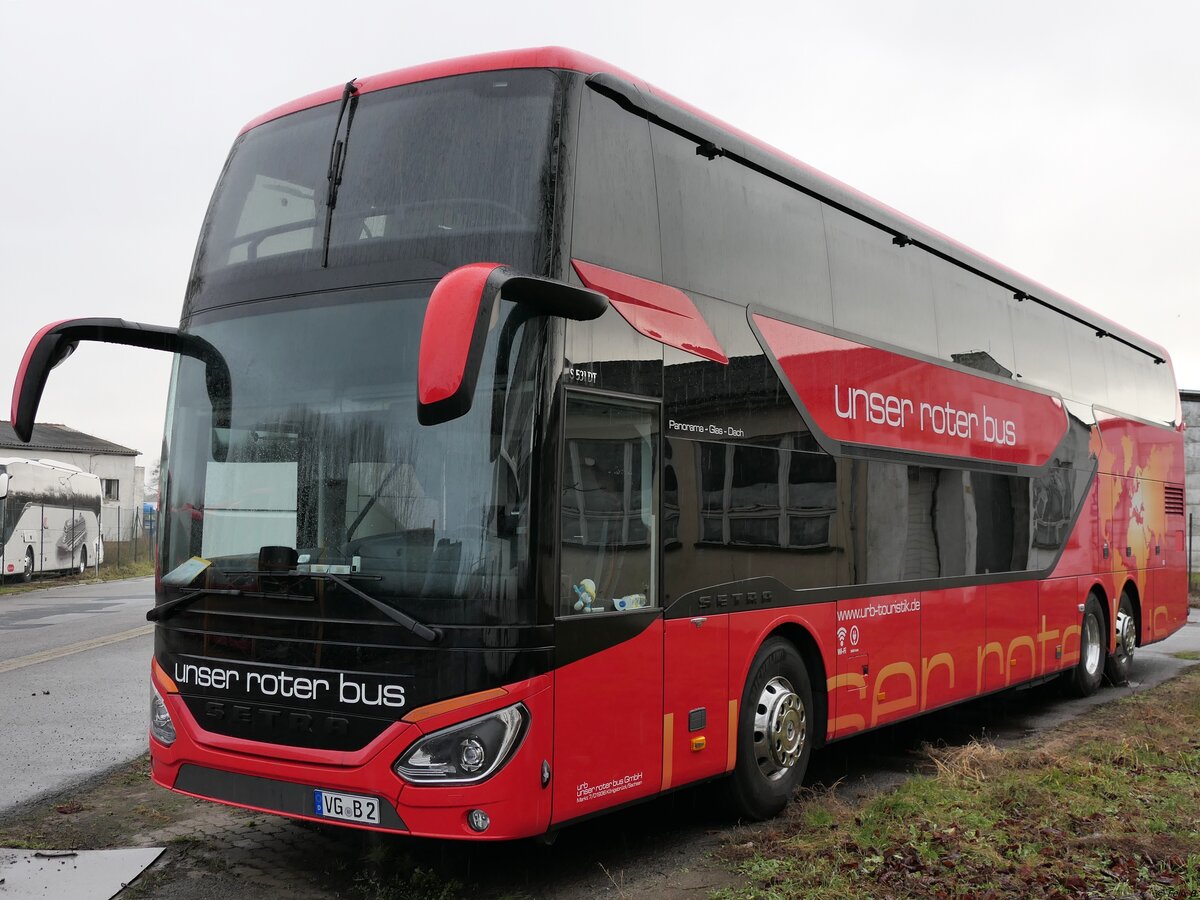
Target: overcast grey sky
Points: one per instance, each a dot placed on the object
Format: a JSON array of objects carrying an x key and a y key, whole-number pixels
[{"x": 1060, "y": 138}]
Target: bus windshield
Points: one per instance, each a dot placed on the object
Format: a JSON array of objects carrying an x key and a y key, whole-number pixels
[
  {"x": 324, "y": 455},
  {"x": 431, "y": 176}
]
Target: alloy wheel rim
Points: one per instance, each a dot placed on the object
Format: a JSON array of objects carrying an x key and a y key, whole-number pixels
[
  {"x": 1091, "y": 628},
  {"x": 780, "y": 728},
  {"x": 1126, "y": 635}
]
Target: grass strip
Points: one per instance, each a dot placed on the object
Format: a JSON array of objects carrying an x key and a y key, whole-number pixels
[
  {"x": 1108, "y": 805},
  {"x": 108, "y": 572}
]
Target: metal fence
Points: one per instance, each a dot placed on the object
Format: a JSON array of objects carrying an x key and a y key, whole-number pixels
[
  {"x": 129, "y": 535},
  {"x": 1193, "y": 576}
]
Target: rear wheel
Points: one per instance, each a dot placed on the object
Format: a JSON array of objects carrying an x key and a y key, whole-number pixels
[
  {"x": 1083, "y": 680},
  {"x": 775, "y": 732},
  {"x": 1120, "y": 662},
  {"x": 82, "y": 560}
]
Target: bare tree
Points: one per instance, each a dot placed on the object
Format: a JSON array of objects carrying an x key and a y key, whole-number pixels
[{"x": 151, "y": 489}]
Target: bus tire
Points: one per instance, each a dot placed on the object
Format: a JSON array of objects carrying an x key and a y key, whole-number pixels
[
  {"x": 1120, "y": 661},
  {"x": 776, "y": 728},
  {"x": 27, "y": 573},
  {"x": 1083, "y": 680},
  {"x": 82, "y": 561}
]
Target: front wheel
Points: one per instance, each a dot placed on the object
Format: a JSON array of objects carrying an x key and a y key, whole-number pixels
[
  {"x": 776, "y": 729},
  {"x": 1120, "y": 662},
  {"x": 82, "y": 561},
  {"x": 1083, "y": 680},
  {"x": 27, "y": 574}
]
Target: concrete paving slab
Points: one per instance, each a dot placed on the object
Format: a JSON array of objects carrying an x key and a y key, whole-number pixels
[{"x": 78, "y": 874}]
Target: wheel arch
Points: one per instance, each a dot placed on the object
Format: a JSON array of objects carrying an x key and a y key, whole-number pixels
[
  {"x": 1097, "y": 590},
  {"x": 806, "y": 645},
  {"x": 1131, "y": 590}
]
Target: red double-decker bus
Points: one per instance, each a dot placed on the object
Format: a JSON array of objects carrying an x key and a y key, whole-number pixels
[{"x": 538, "y": 444}]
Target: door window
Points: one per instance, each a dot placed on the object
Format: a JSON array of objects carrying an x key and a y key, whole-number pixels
[{"x": 609, "y": 507}]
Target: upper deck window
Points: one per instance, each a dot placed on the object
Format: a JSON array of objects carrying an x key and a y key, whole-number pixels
[{"x": 436, "y": 174}]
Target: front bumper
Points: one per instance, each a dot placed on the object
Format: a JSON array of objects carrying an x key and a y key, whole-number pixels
[{"x": 282, "y": 780}]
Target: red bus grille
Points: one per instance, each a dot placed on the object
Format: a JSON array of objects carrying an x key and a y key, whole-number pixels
[{"x": 1173, "y": 500}]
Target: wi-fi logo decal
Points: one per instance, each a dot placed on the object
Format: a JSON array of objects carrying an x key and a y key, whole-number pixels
[{"x": 841, "y": 633}]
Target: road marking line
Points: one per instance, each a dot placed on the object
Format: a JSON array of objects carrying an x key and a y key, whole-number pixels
[{"x": 56, "y": 653}]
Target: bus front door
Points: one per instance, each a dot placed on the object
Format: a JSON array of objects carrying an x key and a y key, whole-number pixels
[{"x": 608, "y": 684}]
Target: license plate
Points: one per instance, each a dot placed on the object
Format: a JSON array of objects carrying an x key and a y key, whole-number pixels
[{"x": 350, "y": 808}]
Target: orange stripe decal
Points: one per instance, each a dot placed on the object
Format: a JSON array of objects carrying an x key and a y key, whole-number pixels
[
  {"x": 668, "y": 739},
  {"x": 731, "y": 755},
  {"x": 163, "y": 679},
  {"x": 436, "y": 709}
]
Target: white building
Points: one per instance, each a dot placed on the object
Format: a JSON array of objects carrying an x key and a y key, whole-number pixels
[{"x": 122, "y": 480}]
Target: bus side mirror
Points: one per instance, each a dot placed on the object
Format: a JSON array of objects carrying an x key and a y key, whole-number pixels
[
  {"x": 3, "y": 485},
  {"x": 56, "y": 342},
  {"x": 457, "y": 322}
]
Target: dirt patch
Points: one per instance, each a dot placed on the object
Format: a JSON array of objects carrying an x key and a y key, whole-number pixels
[
  {"x": 213, "y": 852},
  {"x": 210, "y": 848}
]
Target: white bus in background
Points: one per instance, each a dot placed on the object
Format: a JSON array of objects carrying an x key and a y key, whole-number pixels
[{"x": 49, "y": 518}]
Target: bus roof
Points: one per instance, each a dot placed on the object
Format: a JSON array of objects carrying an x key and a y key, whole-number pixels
[
  {"x": 810, "y": 179},
  {"x": 54, "y": 464}
]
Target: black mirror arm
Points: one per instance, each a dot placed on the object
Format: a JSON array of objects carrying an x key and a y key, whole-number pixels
[
  {"x": 56, "y": 342},
  {"x": 456, "y": 324}
]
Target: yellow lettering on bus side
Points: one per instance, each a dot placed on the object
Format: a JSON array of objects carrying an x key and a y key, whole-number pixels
[
  {"x": 849, "y": 680},
  {"x": 882, "y": 707},
  {"x": 1045, "y": 637},
  {"x": 989, "y": 649},
  {"x": 928, "y": 664},
  {"x": 852, "y": 721},
  {"x": 1070, "y": 656},
  {"x": 1026, "y": 641}
]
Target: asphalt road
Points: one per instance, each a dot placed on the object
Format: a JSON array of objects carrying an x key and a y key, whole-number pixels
[{"x": 74, "y": 695}]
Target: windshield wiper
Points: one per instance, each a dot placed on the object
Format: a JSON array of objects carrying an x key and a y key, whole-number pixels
[
  {"x": 171, "y": 607},
  {"x": 179, "y": 604},
  {"x": 432, "y": 635},
  {"x": 337, "y": 161}
]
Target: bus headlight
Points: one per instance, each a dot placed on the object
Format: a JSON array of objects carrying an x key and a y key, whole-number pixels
[
  {"x": 467, "y": 752},
  {"x": 161, "y": 725}
]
